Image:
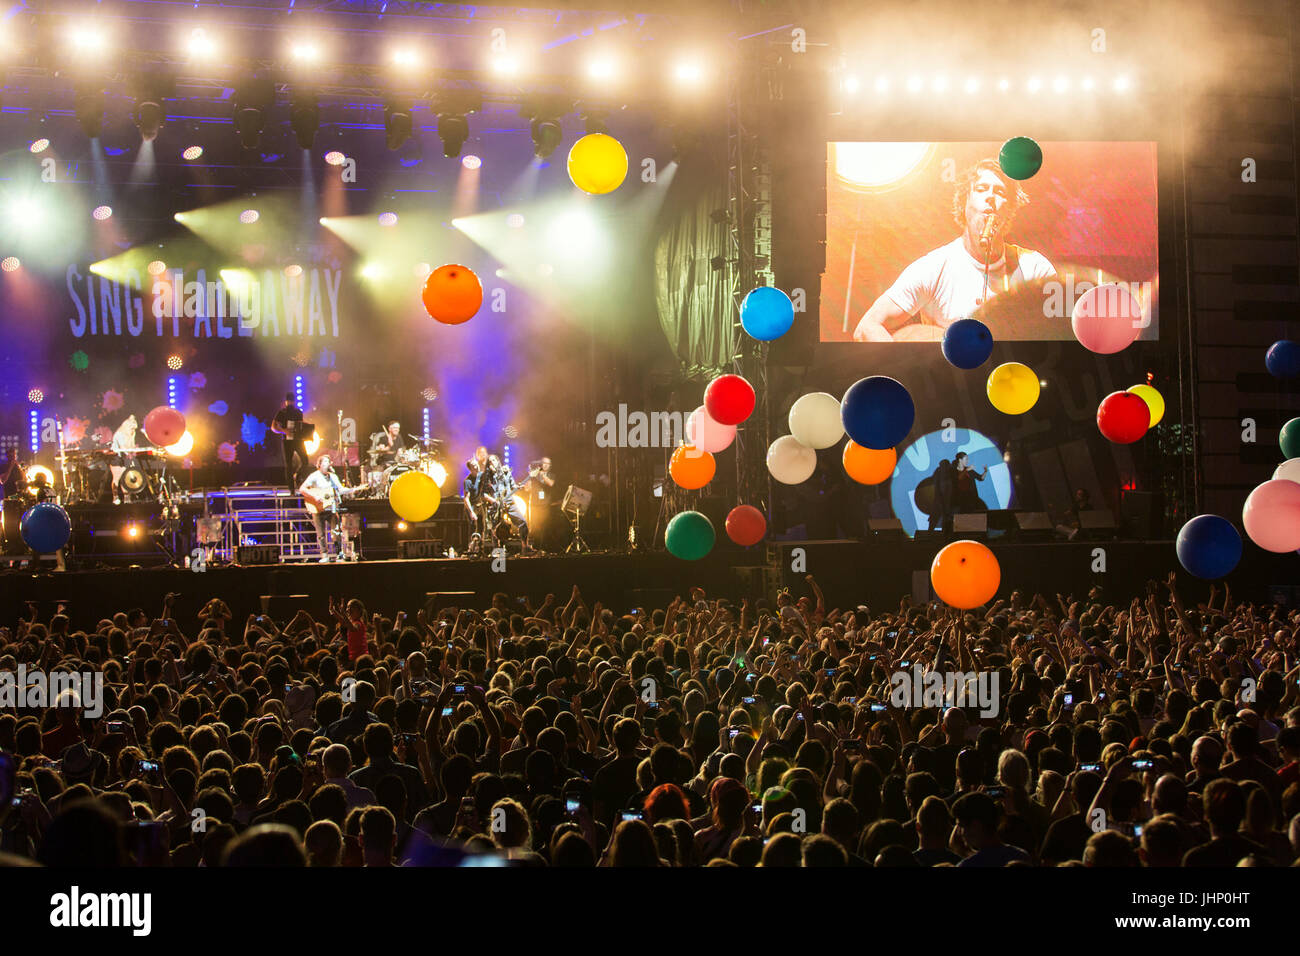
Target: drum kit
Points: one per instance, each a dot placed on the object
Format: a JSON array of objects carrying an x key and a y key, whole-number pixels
[
  {"x": 423, "y": 457},
  {"x": 132, "y": 474}
]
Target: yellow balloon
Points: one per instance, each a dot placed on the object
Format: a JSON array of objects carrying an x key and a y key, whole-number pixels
[
  {"x": 414, "y": 496},
  {"x": 1013, "y": 388},
  {"x": 597, "y": 164},
  {"x": 1155, "y": 401}
]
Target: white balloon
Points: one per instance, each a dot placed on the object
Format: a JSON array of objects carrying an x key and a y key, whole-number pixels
[
  {"x": 789, "y": 461},
  {"x": 815, "y": 420},
  {"x": 1289, "y": 469},
  {"x": 706, "y": 434}
]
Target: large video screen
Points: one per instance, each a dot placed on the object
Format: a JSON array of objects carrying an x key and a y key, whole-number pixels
[{"x": 920, "y": 235}]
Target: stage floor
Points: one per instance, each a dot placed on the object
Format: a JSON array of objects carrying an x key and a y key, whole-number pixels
[{"x": 875, "y": 573}]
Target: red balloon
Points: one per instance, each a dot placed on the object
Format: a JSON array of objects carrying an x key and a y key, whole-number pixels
[
  {"x": 746, "y": 525},
  {"x": 1123, "y": 417},
  {"x": 729, "y": 399},
  {"x": 164, "y": 425}
]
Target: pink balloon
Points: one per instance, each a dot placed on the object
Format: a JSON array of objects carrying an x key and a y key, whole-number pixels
[
  {"x": 164, "y": 425},
  {"x": 1272, "y": 515},
  {"x": 1106, "y": 319},
  {"x": 706, "y": 434}
]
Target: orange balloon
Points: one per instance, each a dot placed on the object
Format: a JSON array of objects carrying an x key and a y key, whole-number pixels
[
  {"x": 965, "y": 574},
  {"x": 691, "y": 468},
  {"x": 452, "y": 294},
  {"x": 867, "y": 466}
]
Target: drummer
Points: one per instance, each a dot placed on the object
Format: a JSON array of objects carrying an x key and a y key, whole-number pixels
[{"x": 389, "y": 443}]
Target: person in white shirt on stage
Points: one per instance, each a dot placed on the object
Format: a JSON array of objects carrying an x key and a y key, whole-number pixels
[
  {"x": 322, "y": 492},
  {"x": 955, "y": 280}
]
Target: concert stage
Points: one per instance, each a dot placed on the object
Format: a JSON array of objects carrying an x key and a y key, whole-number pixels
[{"x": 875, "y": 572}]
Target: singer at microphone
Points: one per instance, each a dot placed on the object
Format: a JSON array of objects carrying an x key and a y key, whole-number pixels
[{"x": 953, "y": 281}]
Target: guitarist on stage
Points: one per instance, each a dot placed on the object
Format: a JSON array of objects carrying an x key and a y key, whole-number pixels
[
  {"x": 288, "y": 425},
  {"x": 321, "y": 492}
]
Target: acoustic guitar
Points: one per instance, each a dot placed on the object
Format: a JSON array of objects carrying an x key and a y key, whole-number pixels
[{"x": 328, "y": 501}]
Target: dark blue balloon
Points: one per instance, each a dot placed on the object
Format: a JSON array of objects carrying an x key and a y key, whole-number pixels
[
  {"x": 766, "y": 313},
  {"x": 967, "y": 343},
  {"x": 1209, "y": 547},
  {"x": 1283, "y": 359},
  {"x": 877, "y": 412},
  {"x": 45, "y": 527}
]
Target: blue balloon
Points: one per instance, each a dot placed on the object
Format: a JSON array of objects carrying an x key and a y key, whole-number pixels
[
  {"x": 766, "y": 313},
  {"x": 1209, "y": 547},
  {"x": 45, "y": 527},
  {"x": 967, "y": 343},
  {"x": 1283, "y": 359},
  {"x": 877, "y": 412}
]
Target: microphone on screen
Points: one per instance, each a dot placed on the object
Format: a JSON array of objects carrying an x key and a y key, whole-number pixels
[{"x": 987, "y": 233}]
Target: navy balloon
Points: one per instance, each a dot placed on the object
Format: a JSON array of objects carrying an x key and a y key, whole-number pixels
[
  {"x": 1209, "y": 547},
  {"x": 967, "y": 343},
  {"x": 1283, "y": 359},
  {"x": 45, "y": 527},
  {"x": 877, "y": 412},
  {"x": 766, "y": 313}
]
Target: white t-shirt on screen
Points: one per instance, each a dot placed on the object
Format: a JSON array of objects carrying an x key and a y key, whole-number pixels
[{"x": 947, "y": 284}]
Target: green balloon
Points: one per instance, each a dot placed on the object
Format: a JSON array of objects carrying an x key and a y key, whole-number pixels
[
  {"x": 689, "y": 536},
  {"x": 1289, "y": 439},
  {"x": 1020, "y": 157}
]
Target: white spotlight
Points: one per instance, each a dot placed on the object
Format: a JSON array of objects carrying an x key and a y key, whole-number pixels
[
  {"x": 688, "y": 72},
  {"x": 914, "y": 84},
  {"x": 1122, "y": 84},
  {"x": 882, "y": 84},
  {"x": 1061, "y": 84},
  {"x": 200, "y": 44},
  {"x": 972, "y": 84},
  {"x": 602, "y": 68},
  {"x": 851, "y": 84},
  {"x": 1035, "y": 84}
]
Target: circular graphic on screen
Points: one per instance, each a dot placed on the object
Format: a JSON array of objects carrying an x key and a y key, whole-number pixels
[{"x": 911, "y": 491}]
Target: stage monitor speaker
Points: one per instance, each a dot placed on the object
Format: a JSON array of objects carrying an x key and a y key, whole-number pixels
[
  {"x": 1034, "y": 525},
  {"x": 421, "y": 548},
  {"x": 1099, "y": 523},
  {"x": 1141, "y": 513},
  {"x": 977, "y": 523},
  {"x": 438, "y": 601},
  {"x": 1033, "y": 521},
  {"x": 257, "y": 554},
  {"x": 1001, "y": 520},
  {"x": 886, "y": 529},
  {"x": 281, "y": 608}
]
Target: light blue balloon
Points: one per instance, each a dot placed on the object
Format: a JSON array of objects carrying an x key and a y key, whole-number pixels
[{"x": 766, "y": 314}]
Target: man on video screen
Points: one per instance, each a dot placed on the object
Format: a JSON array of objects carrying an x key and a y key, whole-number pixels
[{"x": 955, "y": 280}]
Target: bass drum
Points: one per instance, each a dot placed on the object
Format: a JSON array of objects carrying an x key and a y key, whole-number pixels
[
  {"x": 550, "y": 529},
  {"x": 391, "y": 475}
]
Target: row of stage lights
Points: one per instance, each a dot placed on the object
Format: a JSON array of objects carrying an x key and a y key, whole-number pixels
[
  {"x": 604, "y": 71},
  {"x": 852, "y": 85},
  {"x": 202, "y": 45}
]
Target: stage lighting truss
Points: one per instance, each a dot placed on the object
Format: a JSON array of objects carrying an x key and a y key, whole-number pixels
[{"x": 856, "y": 89}]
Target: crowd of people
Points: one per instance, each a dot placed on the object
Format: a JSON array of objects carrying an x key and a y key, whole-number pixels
[{"x": 704, "y": 733}]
